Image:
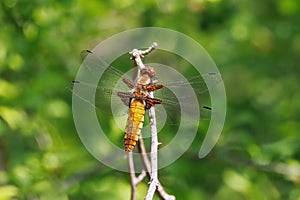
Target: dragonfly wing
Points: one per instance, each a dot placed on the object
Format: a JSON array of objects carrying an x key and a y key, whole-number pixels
[
  {"x": 100, "y": 85},
  {"x": 105, "y": 100},
  {"x": 187, "y": 95},
  {"x": 95, "y": 69},
  {"x": 200, "y": 83},
  {"x": 95, "y": 66}
]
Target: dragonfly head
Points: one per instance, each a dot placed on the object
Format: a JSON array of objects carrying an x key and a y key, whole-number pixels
[{"x": 148, "y": 71}]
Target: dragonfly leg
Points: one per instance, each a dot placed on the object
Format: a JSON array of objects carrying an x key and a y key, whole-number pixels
[
  {"x": 153, "y": 87},
  {"x": 128, "y": 82},
  {"x": 151, "y": 101}
]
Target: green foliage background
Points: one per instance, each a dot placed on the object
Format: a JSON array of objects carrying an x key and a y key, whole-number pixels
[{"x": 256, "y": 45}]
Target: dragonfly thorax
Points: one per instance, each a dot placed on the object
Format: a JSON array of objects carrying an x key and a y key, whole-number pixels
[{"x": 140, "y": 92}]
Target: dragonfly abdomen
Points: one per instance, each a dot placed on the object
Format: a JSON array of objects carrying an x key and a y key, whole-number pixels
[{"x": 135, "y": 124}]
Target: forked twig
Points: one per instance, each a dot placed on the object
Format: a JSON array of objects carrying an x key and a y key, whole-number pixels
[
  {"x": 160, "y": 189},
  {"x": 137, "y": 56},
  {"x": 134, "y": 180},
  {"x": 151, "y": 168}
]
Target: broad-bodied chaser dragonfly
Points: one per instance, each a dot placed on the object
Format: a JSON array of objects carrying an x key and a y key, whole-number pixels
[{"x": 172, "y": 93}]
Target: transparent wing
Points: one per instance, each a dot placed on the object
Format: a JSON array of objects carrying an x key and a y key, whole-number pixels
[
  {"x": 104, "y": 83},
  {"x": 199, "y": 82},
  {"x": 96, "y": 67},
  {"x": 191, "y": 93},
  {"x": 101, "y": 85},
  {"x": 104, "y": 99}
]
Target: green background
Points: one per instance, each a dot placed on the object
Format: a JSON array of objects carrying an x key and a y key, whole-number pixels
[{"x": 256, "y": 46}]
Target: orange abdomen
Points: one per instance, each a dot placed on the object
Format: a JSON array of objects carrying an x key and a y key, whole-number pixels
[{"x": 135, "y": 124}]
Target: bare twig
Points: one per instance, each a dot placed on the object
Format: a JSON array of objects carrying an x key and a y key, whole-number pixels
[
  {"x": 151, "y": 167},
  {"x": 138, "y": 54},
  {"x": 160, "y": 189},
  {"x": 134, "y": 180},
  {"x": 153, "y": 154}
]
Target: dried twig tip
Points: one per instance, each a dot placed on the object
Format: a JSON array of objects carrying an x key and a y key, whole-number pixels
[
  {"x": 154, "y": 45},
  {"x": 151, "y": 48},
  {"x": 140, "y": 53}
]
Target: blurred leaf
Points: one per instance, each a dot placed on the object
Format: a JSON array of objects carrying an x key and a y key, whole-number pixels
[
  {"x": 14, "y": 118},
  {"x": 8, "y": 90},
  {"x": 8, "y": 192}
]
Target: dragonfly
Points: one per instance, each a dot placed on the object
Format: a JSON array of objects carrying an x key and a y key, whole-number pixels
[{"x": 115, "y": 86}]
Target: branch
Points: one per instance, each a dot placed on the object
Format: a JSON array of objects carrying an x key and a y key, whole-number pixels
[
  {"x": 160, "y": 189},
  {"x": 151, "y": 167},
  {"x": 138, "y": 54},
  {"x": 153, "y": 154},
  {"x": 134, "y": 180}
]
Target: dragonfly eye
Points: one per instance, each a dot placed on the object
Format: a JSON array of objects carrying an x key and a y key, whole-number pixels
[
  {"x": 155, "y": 79},
  {"x": 149, "y": 71},
  {"x": 152, "y": 73}
]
